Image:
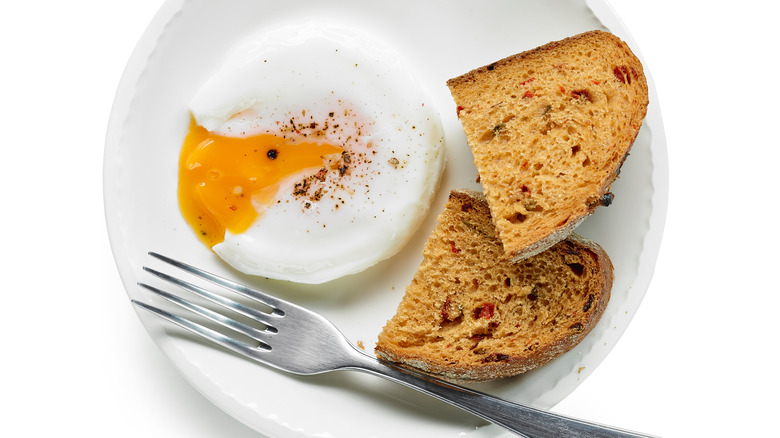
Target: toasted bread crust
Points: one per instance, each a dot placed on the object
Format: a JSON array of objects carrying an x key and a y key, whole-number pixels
[
  {"x": 549, "y": 129},
  {"x": 472, "y": 315}
]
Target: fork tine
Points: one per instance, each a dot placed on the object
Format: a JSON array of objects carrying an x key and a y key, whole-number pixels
[
  {"x": 254, "y": 294},
  {"x": 258, "y": 335},
  {"x": 225, "y": 302},
  {"x": 205, "y": 332}
]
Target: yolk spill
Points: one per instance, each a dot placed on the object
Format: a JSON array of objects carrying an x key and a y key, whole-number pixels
[{"x": 223, "y": 179}]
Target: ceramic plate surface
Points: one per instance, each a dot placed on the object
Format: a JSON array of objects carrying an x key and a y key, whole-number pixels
[{"x": 183, "y": 46}]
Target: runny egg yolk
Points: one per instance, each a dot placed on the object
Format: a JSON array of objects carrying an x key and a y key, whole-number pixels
[{"x": 223, "y": 181}]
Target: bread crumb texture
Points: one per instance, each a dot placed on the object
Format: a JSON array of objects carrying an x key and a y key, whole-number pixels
[
  {"x": 471, "y": 314},
  {"x": 549, "y": 130}
]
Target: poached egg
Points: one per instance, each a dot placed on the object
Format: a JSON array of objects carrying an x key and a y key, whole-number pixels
[{"x": 311, "y": 154}]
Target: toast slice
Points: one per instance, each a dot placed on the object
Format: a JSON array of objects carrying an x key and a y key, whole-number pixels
[
  {"x": 549, "y": 130},
  {"x": 470, "y": 314}
]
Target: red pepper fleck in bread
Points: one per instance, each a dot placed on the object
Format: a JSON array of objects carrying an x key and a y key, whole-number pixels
[
  {"x": 549, "y": 130},
  {"x": 470, "y": 314}
]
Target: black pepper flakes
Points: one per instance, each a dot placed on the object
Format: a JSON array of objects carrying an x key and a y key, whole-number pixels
[{"x": 272, "y": 154}]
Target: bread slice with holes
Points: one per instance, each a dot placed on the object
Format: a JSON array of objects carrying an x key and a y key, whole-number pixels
[
  {"x": 470, "y": 314},
  {"x": 549, "y": 130}
]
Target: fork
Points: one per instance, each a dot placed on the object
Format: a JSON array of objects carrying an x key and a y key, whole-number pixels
[{"x": 299, "y": 341}]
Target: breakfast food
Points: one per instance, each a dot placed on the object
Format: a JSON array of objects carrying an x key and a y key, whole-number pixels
[
  {"x": 549, "y": 130},
  {"x": 311, "y": 155},
  {"x": 470, "y": 314}
]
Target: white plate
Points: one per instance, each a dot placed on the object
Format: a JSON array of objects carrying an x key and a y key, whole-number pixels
[{"x": 443, "y": 39}]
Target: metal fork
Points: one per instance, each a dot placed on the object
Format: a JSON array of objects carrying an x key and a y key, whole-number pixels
[{"x": 299, "y": 341}]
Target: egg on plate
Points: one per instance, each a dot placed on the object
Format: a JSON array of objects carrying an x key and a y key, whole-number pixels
[{"x": 311, "y": 154}]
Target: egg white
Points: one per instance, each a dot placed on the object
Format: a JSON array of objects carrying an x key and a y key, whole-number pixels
[{"x": 330, "y": 76}]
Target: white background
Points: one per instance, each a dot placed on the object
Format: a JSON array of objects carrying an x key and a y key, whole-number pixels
[{"x": 697, "y": 360}]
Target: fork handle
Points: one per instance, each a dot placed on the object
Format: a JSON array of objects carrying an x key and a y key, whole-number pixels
[{"x": 522, "y": 420}]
